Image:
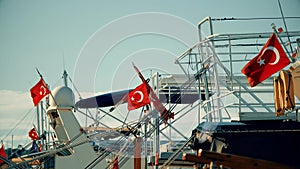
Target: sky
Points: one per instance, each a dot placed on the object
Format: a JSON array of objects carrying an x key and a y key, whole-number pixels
[{"x": 96, "y": 42}]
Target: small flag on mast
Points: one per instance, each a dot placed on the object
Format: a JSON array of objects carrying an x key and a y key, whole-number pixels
[
  {"x": 164, "y": 113},
  {"x": 138, "y": 97},
  {"x": 39, "y": 91},
  {"x": 33, "y": 134}
]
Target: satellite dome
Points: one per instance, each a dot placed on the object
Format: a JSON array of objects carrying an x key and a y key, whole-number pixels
[{"x": 63, "y": 96}]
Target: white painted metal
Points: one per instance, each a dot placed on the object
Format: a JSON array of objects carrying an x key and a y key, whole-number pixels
[{"x": 68, "y": 130}]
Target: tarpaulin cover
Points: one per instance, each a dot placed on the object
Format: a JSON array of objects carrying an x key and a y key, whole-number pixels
[
  {"x": 103, "y": 100},
  {"x": 112, "y": 98}
]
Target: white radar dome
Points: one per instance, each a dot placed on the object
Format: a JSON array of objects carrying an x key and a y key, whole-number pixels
[{"x": 63, "y": 96}]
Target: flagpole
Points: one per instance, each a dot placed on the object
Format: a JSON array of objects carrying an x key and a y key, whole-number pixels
[
  {"x": 42, "y": 125},
  {"x": 39, "y": 72},
  {"x": 281, "y": 41},
  {"x": 38, "y": 120}
]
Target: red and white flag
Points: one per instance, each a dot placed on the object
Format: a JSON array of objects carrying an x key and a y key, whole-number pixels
[
  {"x": 138, "y": 97},
  {"x": 270, "y": 59},
  {"x": 164, "y": 113},
  {"x": 39, "y": 91},
  {"x": 2, "y": 154},
  {"x": 33, "y": 134}
]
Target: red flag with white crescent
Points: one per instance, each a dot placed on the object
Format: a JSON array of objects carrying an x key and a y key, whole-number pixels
[
  {"x": 164, "y": 113},
  {"x": 138, "y": 97},
  {"x": 39, "y": 91},
  {"x": 270, "y": 59}
]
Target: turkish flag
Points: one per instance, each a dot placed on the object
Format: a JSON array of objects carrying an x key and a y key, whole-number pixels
[
  {"x": 2, "y": 154},
  {"x": 39, "y": 91},
  {"x": 138, "y": 97},
  {"x": 33, "y": 134},
  {"x": 270, "y": 59},
  {"x": 164, "y": 113}
]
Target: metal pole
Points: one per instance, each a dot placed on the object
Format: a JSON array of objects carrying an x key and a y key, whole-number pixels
[
  {"x": 170, "y": 129},
  {"x": 199, "y": 87},
  {"x": 47, "y": 123},
  {"x": 65, "y": 76},
  {"x": 156, "y": 122},
  {"x": 47, "y": 146},
  {"x": 38, "y": 120},
  {"x": 42, "y": 124},
  {"x": 146, "y": 145},
  {"x": 12, "y": 142},
  {"x": 281, "y": 41},
  {"x": 137, "y": 152},
  {"x": 230, "y": 62},
  {"x": 200, "y": 48},
  {"x": 86, "y": 111}
]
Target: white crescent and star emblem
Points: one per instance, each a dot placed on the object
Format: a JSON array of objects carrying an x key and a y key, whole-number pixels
[
  {"x": 42, "y": 90},
  {"x": 137, "y": 93},
  {"x": 261, "y": 61}
]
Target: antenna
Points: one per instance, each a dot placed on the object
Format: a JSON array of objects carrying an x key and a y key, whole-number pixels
[{"x": 65, "y": 76}]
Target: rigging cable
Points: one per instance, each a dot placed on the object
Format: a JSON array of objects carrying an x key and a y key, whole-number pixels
[
  {"x": 17, "y": 124},
  {"x": 283, "y": 19},
  {"x": 75, "y": 88}
]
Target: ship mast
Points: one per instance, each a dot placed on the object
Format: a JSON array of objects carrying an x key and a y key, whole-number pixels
[{"x": 65, "y": 76}]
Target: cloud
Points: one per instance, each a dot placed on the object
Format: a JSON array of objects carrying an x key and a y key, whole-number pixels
[
  {"x": 15, "y": 100},
  {"x": 16, "y": 115}
]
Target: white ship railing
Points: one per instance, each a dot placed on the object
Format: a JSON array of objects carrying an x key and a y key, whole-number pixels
[{"x": 225, "y": 55}]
